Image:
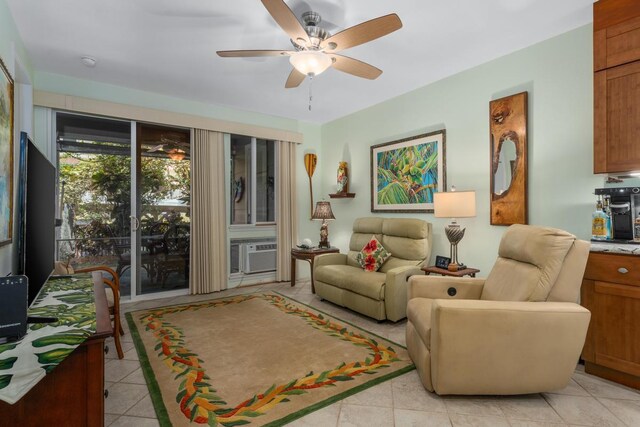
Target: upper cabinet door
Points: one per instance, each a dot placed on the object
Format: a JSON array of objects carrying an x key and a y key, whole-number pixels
[
  {"x": 617, "y": 45},
  {"x": 617, "y": 119},
  {"x": 616, "y": 61},
  {"x": 623, "y": 43}
]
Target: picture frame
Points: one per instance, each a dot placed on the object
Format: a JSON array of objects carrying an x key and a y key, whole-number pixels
[
  {"x": 406, "y": 173},
  {"x": 508, "y": 168},
  {"x": 442, "y": 261},
  {"x": 6, "y": 154}
]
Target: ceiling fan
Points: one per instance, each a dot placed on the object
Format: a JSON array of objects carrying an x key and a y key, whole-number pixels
[
  {"x": 315, "y": 49},
  {"x": 170, "y": 143}
]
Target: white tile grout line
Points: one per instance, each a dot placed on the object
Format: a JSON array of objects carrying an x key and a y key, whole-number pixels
[
  {"x": 609, "y": 410},
  {"x": 554, "y": 409},
  {"x": 590, "y": 395},
  {"x": 610, "y": 383},
  {"x": 137, "y": 416},
  {"x": 393, "y": 399}
]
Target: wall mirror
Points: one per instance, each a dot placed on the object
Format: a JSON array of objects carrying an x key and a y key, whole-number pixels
[
  {"x": 508, "y": 124},
  {"x": 504, "y": 165}
]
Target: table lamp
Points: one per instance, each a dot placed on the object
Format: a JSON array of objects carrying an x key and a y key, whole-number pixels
[
  {"x": 323, "y": 212},
  {"x": 454, "y": 204}
]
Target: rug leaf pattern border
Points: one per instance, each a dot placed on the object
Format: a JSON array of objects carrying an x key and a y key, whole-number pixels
[{"x": 198, "y": 399}]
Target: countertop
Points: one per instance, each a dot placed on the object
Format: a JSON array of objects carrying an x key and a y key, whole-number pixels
[{"x": 616, "y": 248}]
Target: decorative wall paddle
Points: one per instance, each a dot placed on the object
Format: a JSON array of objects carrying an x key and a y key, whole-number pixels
[{"x": 310, "y": 161}]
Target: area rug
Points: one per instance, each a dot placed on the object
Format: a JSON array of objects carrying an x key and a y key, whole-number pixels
[{"x": 257, "y": 359}]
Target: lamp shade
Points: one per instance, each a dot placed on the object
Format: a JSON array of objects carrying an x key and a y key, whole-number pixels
[
  {"x": 323, "y": 211},
  {"x": 310, "y": 62},
  {"x": 454, "y": 204}
]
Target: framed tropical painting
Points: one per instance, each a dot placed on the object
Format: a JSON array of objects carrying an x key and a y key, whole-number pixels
[
  {"x": 406, "y": 173},
  {"x": 6, "y": 154}
]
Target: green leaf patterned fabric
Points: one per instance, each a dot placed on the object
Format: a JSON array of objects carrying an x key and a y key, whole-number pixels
[
  {"x": 24, "y": 363},
  {"x": 373, "y": 255}
]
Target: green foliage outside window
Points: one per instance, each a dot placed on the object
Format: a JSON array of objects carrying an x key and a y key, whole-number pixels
[{"x": 97, "y": 188}]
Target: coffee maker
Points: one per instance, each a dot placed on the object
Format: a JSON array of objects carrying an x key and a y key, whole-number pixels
[{"x": 623, "y": 205}]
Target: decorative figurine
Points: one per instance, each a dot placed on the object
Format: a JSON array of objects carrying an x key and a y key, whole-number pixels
[{"x": 343, "y": 178}]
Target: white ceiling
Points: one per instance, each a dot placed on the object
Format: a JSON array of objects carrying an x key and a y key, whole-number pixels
[{"x": 168, "y": 46}]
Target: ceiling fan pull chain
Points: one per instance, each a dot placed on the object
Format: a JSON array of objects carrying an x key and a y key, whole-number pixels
[{"x": 310, "y": 91}]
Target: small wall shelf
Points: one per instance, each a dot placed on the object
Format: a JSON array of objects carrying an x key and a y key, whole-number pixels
[{"x": 342, "y": 195}]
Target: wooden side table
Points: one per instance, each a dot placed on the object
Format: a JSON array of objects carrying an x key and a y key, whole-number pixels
[
  {"x": 444, "y": 272},
  {"x": 307, "y": 255}
]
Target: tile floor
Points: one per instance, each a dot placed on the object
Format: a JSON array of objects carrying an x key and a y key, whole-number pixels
[{"x": 403, "y": 401}]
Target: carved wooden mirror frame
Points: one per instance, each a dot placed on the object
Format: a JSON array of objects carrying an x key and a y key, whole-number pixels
[{"x": 508, "y": 122}]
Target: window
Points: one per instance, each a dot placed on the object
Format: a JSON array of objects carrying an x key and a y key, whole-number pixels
[{"x": 252, "y": 180}]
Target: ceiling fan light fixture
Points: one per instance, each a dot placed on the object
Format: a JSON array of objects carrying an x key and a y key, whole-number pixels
[
  {"x": 177, "y": 154},
  {"x": 310, "y": 62}
]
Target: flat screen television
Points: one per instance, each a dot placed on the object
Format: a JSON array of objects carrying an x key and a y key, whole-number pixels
[{"x": 36, "y": 215}]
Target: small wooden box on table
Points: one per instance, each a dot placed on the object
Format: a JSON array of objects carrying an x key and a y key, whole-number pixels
[{"x": 307, "y": 255}]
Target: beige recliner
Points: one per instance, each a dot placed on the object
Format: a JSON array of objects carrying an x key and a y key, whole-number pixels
[
  {"x": 383, "y": 294},
  {"x": 517, "y": 331}
]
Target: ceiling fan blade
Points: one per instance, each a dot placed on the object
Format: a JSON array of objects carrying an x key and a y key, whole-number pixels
[
  {"x": 295, "y": 78},
  {"x": 287, "y": 20},
  {"x": 355, "y": 67},
  {"x": 156, "y": 148},
  {"x": 362, "y": 33},
  {"x": 252, "y": 53}
]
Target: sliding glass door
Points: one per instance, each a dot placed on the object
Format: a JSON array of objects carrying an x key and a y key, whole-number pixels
[
  {"x": 124, "y": 200},
  {"x": 94, "y": 181},
  {"x": 163, "y": 182}
]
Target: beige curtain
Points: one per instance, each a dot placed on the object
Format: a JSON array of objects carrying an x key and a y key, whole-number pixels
[
  {"x": 208, "y": 214},
  {"x": 286, "y": 208}
]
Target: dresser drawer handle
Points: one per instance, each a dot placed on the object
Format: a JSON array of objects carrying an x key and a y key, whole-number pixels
[{"x": 623, "y": 270}]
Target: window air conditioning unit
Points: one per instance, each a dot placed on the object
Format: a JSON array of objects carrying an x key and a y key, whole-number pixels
[{"x": 259, "y": 257}]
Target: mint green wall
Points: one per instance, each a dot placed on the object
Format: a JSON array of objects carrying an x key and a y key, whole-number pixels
[
  {"x": 11, "y": 46},
  {"x": 14, "y": 56},
  {"x": 107, "y": 92},
  {"x": 558, "y": 75}
]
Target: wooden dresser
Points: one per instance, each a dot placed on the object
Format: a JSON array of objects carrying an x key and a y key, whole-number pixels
[
  {"x": 611, "y": 291},
  {"x": 616, "y": 60},
  {"x": 73, "y": 393}
]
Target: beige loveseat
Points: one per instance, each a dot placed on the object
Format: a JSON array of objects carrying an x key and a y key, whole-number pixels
[
  {"x": 383, "y": 294},
  {"x": 519, "y": 331}
]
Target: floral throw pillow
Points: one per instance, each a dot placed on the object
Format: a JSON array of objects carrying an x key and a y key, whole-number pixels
[{"x": 373, "y": 255}]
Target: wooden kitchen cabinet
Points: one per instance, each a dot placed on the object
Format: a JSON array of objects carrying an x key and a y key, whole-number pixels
[
  {"x": 616, "y": 59},
  {"x": 617, "y": 119},
  {"x": 617, "y": 45},
  {"x": 611, "y": 291}
]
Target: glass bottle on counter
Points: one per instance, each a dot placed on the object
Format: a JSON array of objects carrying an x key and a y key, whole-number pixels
[
  {"x": 608, "y": 222},
  {"x": 599, "y": 224}
]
